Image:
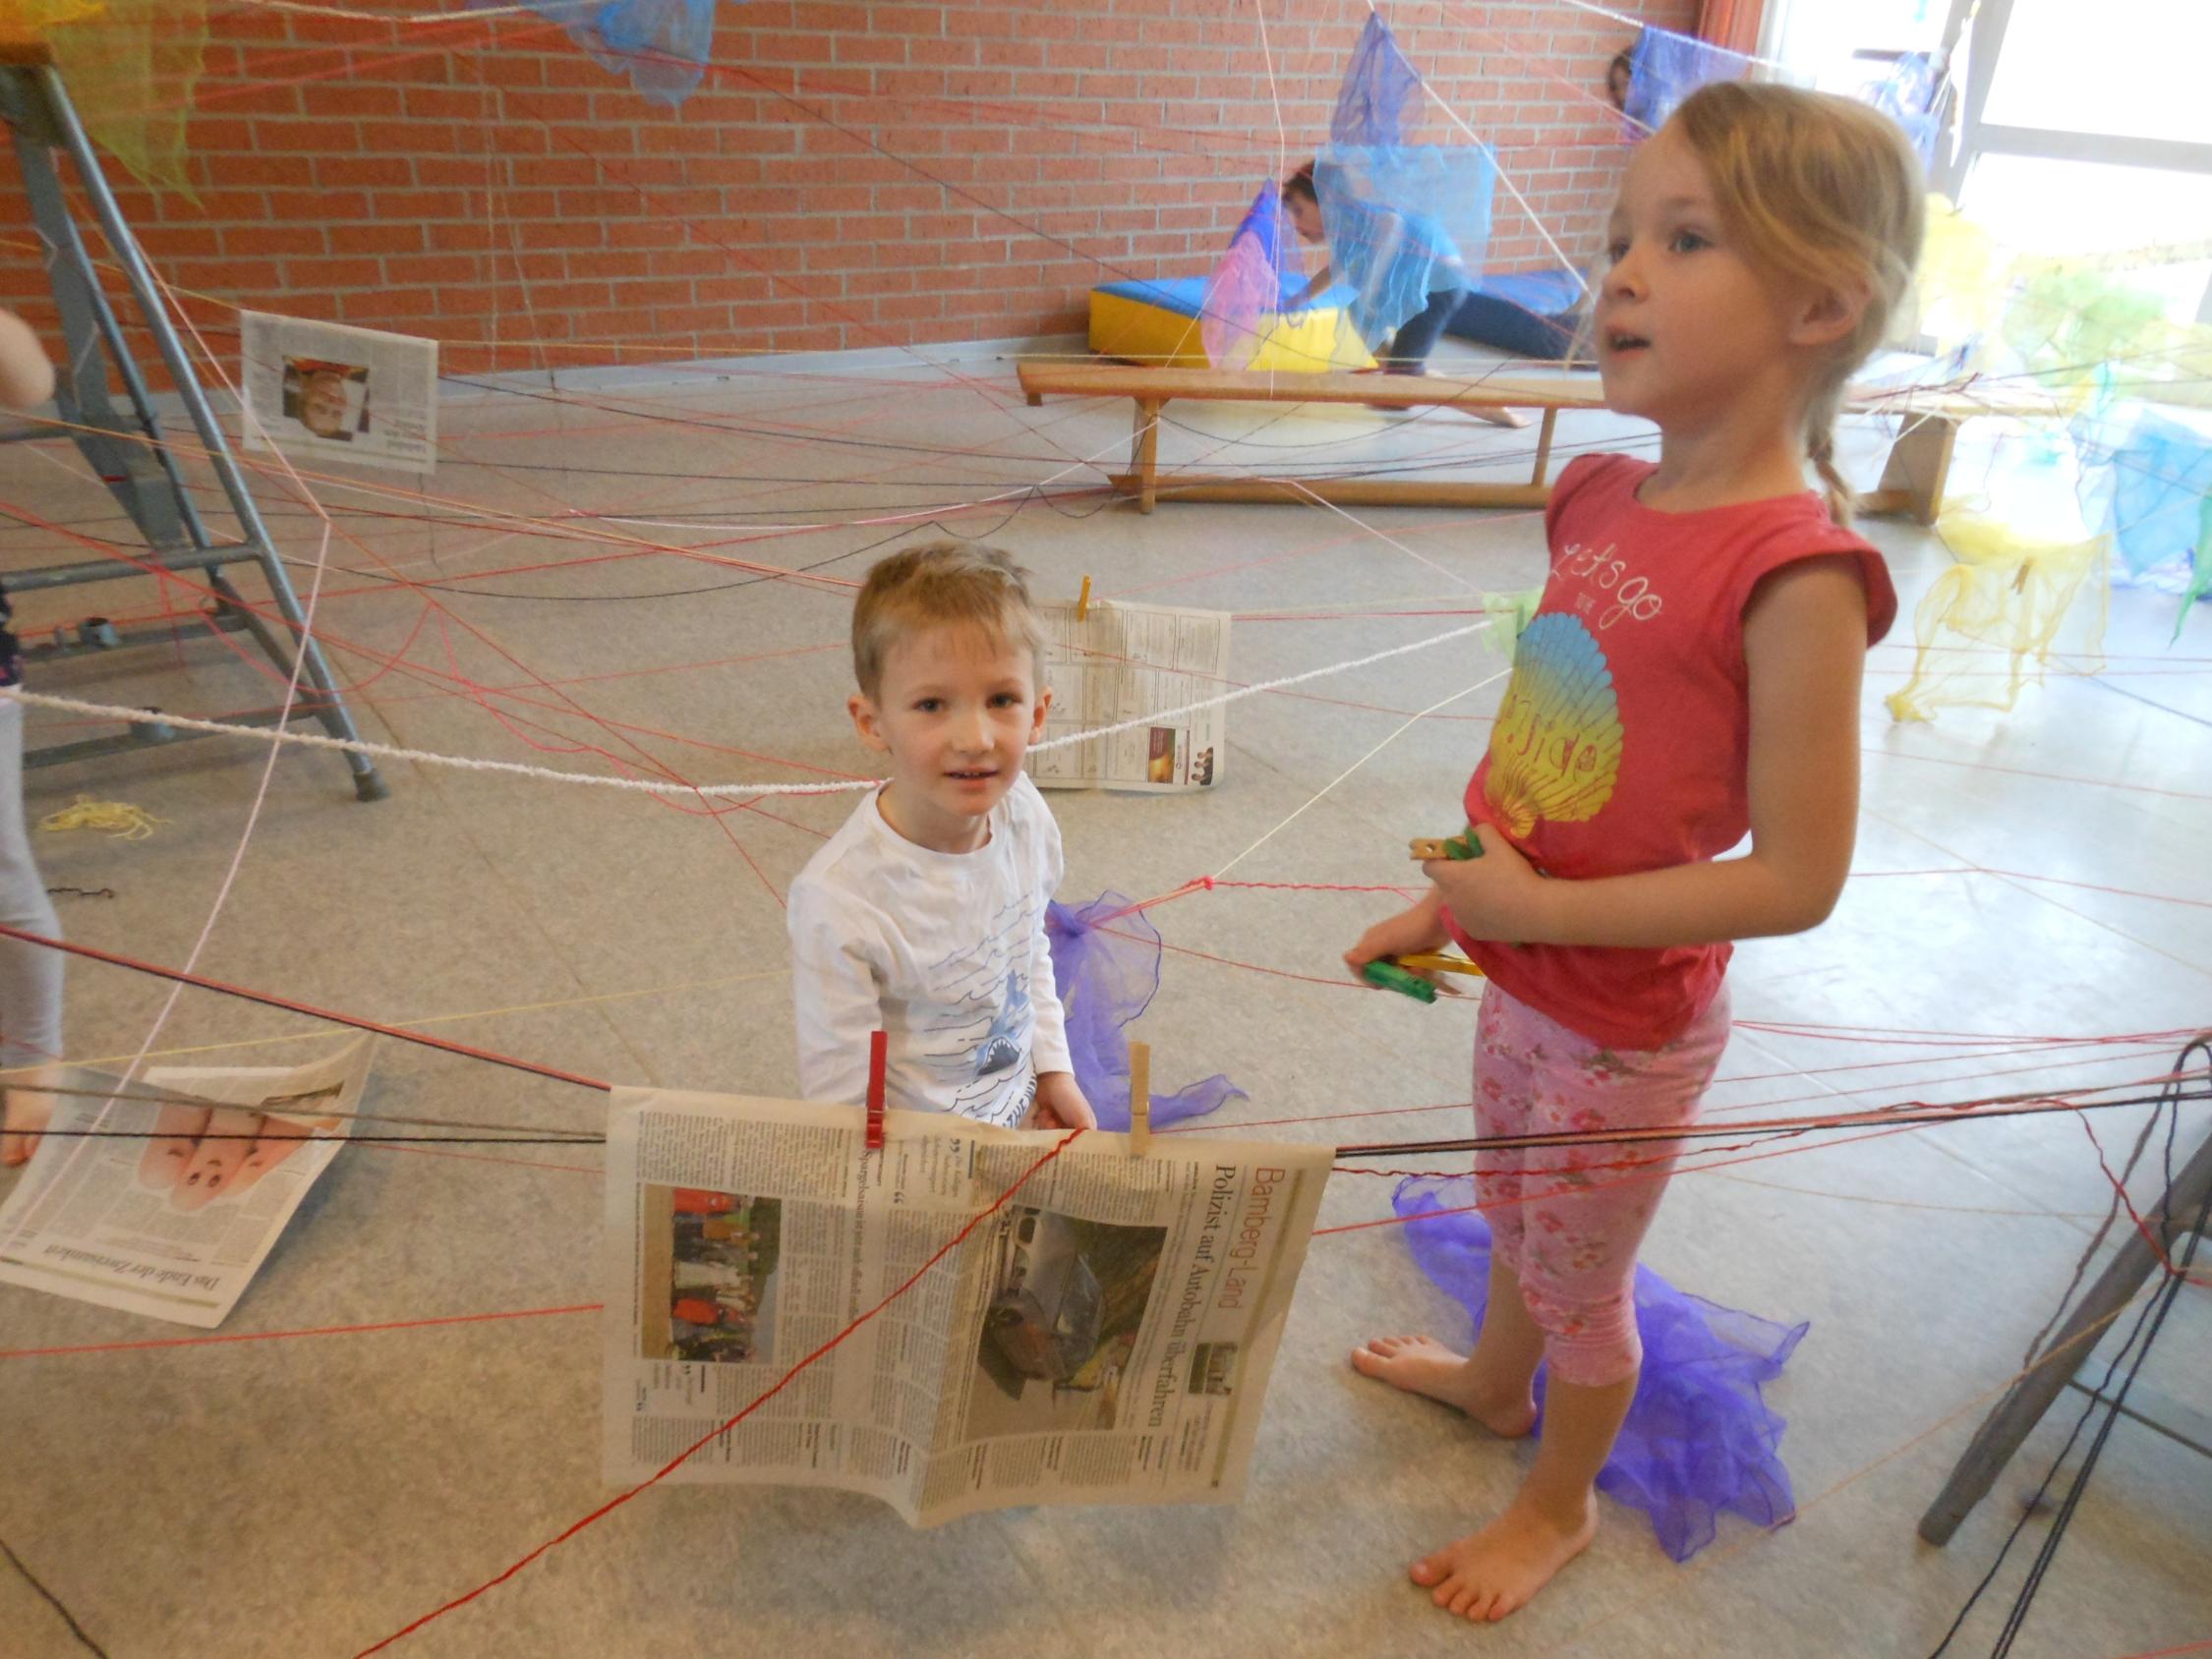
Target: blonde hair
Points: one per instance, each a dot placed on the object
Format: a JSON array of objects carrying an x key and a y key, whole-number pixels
[
  {"x": 943, "y": 585},
  {"x": 1819, "y": 188}
]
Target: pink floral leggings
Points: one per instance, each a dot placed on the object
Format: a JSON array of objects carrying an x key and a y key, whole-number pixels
[{"x": 1566, "y": 1225}]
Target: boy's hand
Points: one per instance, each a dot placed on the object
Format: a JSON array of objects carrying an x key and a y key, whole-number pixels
[
  {"x": 1497, "y": 896},
  {"x": 1060, "y": 1103}
]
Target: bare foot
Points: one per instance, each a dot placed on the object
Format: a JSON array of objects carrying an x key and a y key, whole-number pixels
[
  {"x": 27, "y": 1112},
  {"x": 1424, "y": 1366},
  {"x": 1502, "y": 417},
  {"x": 1497, "y": 1571}
]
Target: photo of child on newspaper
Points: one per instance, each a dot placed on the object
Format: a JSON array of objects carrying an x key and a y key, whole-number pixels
[
  {"x": 205, "y": 1153},
  {"x": 329, "y": 400},
  {"x": 710, "y": 1291},
  {"x": 1067, "y": 1298}
]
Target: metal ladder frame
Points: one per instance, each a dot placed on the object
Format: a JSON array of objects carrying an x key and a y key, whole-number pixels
[{"x": 127, "y": 451}]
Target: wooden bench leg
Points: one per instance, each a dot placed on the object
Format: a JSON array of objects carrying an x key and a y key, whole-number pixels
[
  {"x": 1919, "y": 464},
  {"x": 1543, "y": 445},
  {"x": 1144, "y": 452}
]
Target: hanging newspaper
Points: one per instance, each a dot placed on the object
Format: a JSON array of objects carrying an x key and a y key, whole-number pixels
[
  {"x": 1104, "y": 1335},
  {"x": 175, "y": 1226},
  {"x": 1122, "y": 661},
  {"x": 322, "y": 391}
]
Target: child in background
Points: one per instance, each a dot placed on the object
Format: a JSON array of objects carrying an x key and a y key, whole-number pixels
[
  {"x": 1379, "y": 227},
  {"x": 30, "y": 975},
  {"x": 1692, "y": 673},
  {"x": 924, "y": 916}
]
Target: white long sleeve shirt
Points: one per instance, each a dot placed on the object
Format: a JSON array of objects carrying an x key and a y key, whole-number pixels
[{"x": 944, "y": 952}]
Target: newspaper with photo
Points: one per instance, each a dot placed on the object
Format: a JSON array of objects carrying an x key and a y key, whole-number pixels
[
  {"x": 323, "y": 392},
  {"x": 1104, "y": 1335},
  {"x": 1117, "y": 663},
  {"x": 164, "y": 1196}
]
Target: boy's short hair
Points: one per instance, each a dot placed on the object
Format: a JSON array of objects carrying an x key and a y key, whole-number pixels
[{"x": 943, "y": 585}]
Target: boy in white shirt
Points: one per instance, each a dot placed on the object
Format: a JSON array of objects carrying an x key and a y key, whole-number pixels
[{"x": 924, "y": 916}]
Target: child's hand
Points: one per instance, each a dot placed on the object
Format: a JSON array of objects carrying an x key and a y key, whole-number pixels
[
  {"x": 1410, "y": 932},
  {"x": 1497, "y": 896},
  {"x": 1060, "y": 1103}
]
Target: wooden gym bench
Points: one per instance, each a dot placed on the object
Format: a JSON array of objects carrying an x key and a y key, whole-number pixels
[
  {"x": 1912, "y": 481},
  {"x": 1153, "y": 389}
]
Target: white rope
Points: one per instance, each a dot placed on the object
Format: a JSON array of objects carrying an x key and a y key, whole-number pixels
[
  {"x": 1407, "y": 726},
  {"x": 1513, "y": 190},
  {"x": 662, "y": 787},
  {"x": 1646, "y": 23},
  {"x": 1497, "y": 166},
  {"x": 462, "y": 14}
]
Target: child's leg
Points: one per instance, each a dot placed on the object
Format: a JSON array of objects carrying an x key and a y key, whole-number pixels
[
  {"x": 1583, "y": 1225},
  {"x": 1493, "y": 1384},
  {"x": 30, "y": 975}
]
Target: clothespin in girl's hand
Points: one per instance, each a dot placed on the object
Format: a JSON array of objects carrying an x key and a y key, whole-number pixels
[
  {"x": 1460, "y": 847},
  {"x": 1140, "y": 1099},
  {"x": 1082, "y": 603},
  {"x": 1397, "y": 974},
  {"x": 1438, "y": 962},
  {"x": 879, "y": 1061}
]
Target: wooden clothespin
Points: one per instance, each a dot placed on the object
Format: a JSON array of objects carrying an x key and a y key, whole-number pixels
[
  {"x": 1459, "y": 848},
  {"x": 1426, "y": 847},
  {"x": 879, "y": 1061},
  {"x": 1082, "y": 603},
  {"x": 1140, "y": 1099},
  {"x": 1436, "y": 962}
]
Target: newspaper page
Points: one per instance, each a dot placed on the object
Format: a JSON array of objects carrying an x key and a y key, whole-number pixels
[
  {"x": 322, "y": 391},
  {"x": 1122, "y": 661},
  {"x": 1104, "y": 1335},
  {"x": 175, "y": 1227}
]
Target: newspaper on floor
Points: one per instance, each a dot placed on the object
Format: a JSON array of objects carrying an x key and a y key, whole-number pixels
[
  {"x": 323, "y": 392},
  {"x": 1122, "y": 661},
  {"x": 1104, "y": 1337},
  {"x": 175, "y": 1226}
]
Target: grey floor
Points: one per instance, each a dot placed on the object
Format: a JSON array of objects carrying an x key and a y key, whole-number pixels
[{"x": 307, "y": 1496}]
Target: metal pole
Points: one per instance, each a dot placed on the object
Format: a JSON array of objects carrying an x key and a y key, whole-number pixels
[{"x": 331, "y": 710}]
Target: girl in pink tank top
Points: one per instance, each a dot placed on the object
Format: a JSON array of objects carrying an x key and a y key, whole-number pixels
[{"x": 1691, "y": 676}]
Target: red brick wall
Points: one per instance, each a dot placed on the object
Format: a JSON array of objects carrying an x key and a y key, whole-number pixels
[{"x": 848, "y": 175}]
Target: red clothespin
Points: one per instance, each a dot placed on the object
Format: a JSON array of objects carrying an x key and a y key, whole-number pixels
[{"x": 879, "y": 1059}]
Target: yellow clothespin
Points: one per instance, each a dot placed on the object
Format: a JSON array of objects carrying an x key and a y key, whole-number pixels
[
  {"x": 1435, "y": 962},
  {"x": 1140, "y": 1099},
  {"x": 1082, "y": 603}
]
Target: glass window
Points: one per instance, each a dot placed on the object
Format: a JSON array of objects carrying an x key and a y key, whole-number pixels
[
  {"x": 2135, "y": 68},
  {"x": 2034, "y": 206}
]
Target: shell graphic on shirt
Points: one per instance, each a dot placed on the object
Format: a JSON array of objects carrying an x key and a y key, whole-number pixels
[{"x": 1556, "y": 750}]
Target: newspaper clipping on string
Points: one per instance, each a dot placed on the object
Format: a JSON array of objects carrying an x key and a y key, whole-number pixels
[
  {"x": 1104, "y": 1335},
  {"x": 163, "y": 1197},
  {"x": 324, "y": 391},
  {"x": 1122, "y": 661}
]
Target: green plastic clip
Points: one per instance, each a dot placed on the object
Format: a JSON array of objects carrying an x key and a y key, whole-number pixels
[{"x": 1391, "y": 977}]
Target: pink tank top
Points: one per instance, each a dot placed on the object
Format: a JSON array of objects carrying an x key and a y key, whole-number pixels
[{"x": 1624, "y": 738}]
